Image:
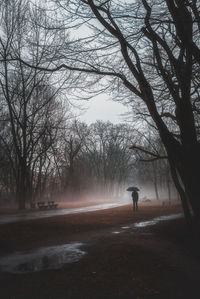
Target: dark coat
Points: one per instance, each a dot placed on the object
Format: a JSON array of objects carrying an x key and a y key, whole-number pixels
[{"x": 135, "y": 196}]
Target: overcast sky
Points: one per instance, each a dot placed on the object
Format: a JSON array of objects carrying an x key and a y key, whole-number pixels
[{"x": 101, "y": 108}]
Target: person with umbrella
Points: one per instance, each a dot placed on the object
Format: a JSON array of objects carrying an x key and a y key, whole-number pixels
[{"x": 135, "y": 197}]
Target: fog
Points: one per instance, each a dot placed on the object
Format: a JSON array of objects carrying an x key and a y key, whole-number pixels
[{"x": 97, "y": 195}]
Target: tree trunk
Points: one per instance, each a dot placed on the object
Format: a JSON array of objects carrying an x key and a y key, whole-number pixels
[
  {"x": 21, "y": 192},
  {"x": 189, "y": 170},
  {"x": 168, "y": 185},
  {"x": 169, "y": 190},
  {"x": 155, "y": 182},
  {"x": 182, "y": 194},
  {"x": 21, "y": 188}
]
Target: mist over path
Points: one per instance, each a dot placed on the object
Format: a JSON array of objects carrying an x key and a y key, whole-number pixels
[{"x": 57, "y": 212}]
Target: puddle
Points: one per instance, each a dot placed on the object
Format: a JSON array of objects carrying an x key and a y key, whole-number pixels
[
  {"x": 50, "y": 213},
  {"x": 150, "y": 222},
  {"x": 143, "y": 224},
  {"x": 46, "y": 258},
  {"x": 157, "y": 220}
]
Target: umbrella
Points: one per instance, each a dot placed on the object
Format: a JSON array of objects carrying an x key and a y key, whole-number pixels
[{"x": 132, "y": 189}]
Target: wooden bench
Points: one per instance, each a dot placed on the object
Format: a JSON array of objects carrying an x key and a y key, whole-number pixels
[
  {"x": 52, "y": 204},
  {"x": 42, "y": 205}
]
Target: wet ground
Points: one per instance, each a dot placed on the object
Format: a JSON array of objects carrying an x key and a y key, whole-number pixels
[
  {"x": 45, "y": 258},
  {"x": 55, "y": 257},
  {"x": 104, "y": 254}
]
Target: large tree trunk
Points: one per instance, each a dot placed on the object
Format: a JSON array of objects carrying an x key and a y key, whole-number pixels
[
  {"x": 189, "y": 175},
  {"x": 188, "y": 167},
  {"x": 181, "y": 192}
]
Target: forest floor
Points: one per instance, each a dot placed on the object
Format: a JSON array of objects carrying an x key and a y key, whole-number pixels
[{"x": 120, "y": 260}]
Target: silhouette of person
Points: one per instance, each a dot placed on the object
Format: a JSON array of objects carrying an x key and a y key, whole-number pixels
[{"x": 135, "y": 197}]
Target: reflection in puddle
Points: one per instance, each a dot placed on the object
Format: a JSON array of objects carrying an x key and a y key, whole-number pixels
[
  {"x": 46, "y": 258},
  {"x": 157, "y": 219},
  {"x": 142, "y": 224}
]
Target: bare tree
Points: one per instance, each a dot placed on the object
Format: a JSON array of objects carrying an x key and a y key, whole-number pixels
[
  {"x": 164, "y": 76},
  {"x": 107, "y": 156},
  {"x": 152, "y": 58},
  {"x": 28, "y": 102}
]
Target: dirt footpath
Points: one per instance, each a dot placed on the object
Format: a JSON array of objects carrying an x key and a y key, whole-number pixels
[{"x": 120, "y": 261}]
